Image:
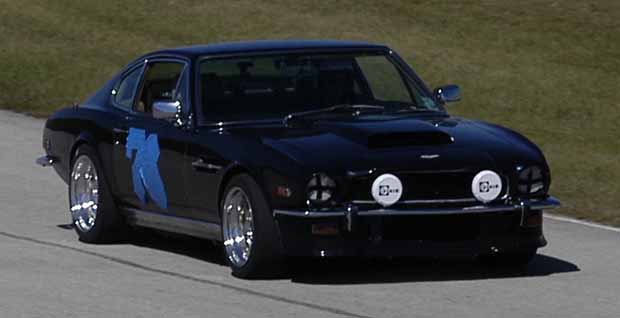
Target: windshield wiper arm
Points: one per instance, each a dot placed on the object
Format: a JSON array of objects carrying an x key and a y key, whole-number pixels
[
  {"x": 332, "y": 109},
  {"x": 417, "y": 110}
]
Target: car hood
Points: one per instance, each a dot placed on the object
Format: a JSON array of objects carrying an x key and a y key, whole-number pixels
[{"x": 402, "y": 143}]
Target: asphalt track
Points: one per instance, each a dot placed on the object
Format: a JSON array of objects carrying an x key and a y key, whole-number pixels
[{"x": 46, "y": 272}]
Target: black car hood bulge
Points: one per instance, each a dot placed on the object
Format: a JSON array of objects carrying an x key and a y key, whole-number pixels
[{"x": 404, "y": 143}]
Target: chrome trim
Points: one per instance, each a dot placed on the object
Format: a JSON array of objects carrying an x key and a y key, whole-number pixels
[
  {"x": 174, "y": 224},
  {"x": 201, "y": 165},
  {"x": 433, "y": 156},
  {"x": 120, "y": 130},
  {"x": 360, "y": 173},
  {"x": 549, "y": 203},
  {"x": 164, "y": 109},
  {"x": 434, "y": 201},
  {"x": 45, "y": 161},
  {"x": 84, "y": 194},
  {"x": 237, "y": 226},
  {"x": 308, "y": 214}
]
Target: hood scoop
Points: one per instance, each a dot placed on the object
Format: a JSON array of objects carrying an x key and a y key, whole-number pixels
[{"x": 404, "y": 139}]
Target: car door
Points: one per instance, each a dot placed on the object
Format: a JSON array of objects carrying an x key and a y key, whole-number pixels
[
  {"x": 149, "y": 153},
  {"x": 207, "y": 168}
]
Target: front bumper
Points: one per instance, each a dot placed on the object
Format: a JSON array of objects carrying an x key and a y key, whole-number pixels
[
  {"x": 415, "y": 231},
  {"x": 45, "y": 161},
  {"x": 543, "y": 204}
]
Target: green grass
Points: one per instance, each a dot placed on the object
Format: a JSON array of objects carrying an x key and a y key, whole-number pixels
[{"x": 549, "y": 69}]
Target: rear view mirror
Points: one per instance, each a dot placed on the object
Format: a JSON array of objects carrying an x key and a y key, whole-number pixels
[
  {"x": 165, "y": 109},
  {"x": 448, "y": 93}
]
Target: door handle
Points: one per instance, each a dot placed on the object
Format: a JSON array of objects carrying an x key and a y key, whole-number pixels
[
  {"x": 202, "y": 165},
  {"x": 120, "y": 130}
]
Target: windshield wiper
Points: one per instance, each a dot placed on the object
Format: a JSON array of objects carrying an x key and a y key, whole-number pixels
[
  {"x": 416, "y": 110},
  {"x": 333, "y": 109}
]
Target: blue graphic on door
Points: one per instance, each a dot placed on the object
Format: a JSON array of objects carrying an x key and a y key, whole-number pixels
[{"x": 144, "y": 170}]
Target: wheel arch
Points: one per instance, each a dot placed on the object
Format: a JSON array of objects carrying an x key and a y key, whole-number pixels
[
  {"x": 228, "y": 174},
  {"x": 84, "y": 137},
  {"x": 232, "y": 171}
]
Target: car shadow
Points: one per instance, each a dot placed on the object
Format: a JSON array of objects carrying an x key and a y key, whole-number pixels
[
  {"x": 171, "y": 243},
  {"x": 201, "y": 249},
  {"x": 374, "y": 271},
  {"x": 351, "y": 271}
]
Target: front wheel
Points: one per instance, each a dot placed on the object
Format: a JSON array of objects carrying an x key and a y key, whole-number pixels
[{"x": 251, "y": 243}]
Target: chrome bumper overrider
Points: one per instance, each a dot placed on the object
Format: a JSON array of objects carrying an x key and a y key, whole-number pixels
[
  {"x": 45, "y": 161},
  {"x": 548, "y": 203}
]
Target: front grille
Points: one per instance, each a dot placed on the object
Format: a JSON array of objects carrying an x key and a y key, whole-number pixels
[{"x": 420, "y": 186}]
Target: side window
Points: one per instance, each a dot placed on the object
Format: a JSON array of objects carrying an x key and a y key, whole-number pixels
[
  {"x": 160, "y": 83},
  {"x": 124, "y": 93}
]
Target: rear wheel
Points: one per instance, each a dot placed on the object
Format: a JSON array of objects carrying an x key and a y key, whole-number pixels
[
  {"x": 251, "y": 243},
  {"x": 93, "y": 212}
]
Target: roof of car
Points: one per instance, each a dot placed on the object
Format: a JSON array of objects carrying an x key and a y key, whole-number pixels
[{"x": 265, "y": 45}]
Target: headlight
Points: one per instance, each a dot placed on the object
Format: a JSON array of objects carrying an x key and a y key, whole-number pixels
[
  {"x": 531, "y": 181},
  {"x": 320, "y": 188}
]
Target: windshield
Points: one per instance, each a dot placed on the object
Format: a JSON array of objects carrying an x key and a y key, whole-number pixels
[{"x": 270, "y": 87}]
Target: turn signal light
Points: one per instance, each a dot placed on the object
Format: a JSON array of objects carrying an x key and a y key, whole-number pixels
[{"x": 284, "y": 192}]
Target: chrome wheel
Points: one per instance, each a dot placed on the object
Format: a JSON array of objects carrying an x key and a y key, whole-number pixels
[
  {"x": 237, "y": 226},
  {"x": 84, "y": 193}
]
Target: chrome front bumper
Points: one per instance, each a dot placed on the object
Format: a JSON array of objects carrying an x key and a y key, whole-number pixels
[{"x": 523, "y": 206}]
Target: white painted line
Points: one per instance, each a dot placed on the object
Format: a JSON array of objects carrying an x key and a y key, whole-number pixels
[{"x": 586, "y": 223}]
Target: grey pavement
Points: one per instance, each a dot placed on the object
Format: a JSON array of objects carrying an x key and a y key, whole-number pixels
[{"x": 46, "y": 272}]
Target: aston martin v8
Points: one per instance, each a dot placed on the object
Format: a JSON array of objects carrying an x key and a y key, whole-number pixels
[{"x": 279, "y": 149}]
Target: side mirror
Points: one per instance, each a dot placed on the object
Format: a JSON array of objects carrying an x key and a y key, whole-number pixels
[
  {"x": 164, "y": 109},
  {"x": 448, "y": 93}
]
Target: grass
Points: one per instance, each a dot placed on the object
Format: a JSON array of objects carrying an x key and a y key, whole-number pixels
[{"x": 549, "y": 69}]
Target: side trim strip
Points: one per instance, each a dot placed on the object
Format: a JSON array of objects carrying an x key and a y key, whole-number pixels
[{"x": 174, "y": 224}]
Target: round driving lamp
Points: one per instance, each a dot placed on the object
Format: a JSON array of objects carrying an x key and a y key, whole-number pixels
[{"x": 320, "y": 188}]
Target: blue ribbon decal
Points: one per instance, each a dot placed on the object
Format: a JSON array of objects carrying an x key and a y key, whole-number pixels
[{"x": 145, "y": 172}]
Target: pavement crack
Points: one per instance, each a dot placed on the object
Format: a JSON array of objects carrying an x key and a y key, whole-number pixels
[{"x": 246, "y": 291}]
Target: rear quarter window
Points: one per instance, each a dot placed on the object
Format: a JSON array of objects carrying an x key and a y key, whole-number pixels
[{"x": 126, "y": 89}]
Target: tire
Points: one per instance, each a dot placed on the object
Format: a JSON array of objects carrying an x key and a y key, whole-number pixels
[
  {"x": 105, "y": 224},
  {"x": 264, "y": 258},
  {"x": 509, "y": 259}
]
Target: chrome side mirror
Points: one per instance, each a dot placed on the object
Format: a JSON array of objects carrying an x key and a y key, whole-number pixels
[
  {"x": 164, "y": 109},
  {"x": 448, "y": 93}
]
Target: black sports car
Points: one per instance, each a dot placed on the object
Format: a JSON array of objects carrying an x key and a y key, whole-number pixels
[{"x": 296, "y": 148}]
